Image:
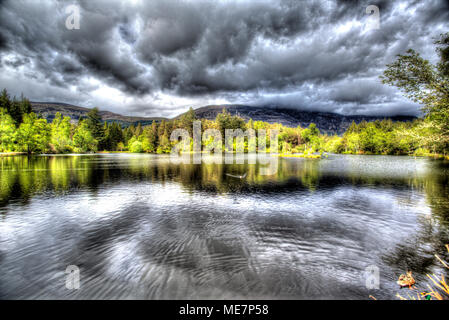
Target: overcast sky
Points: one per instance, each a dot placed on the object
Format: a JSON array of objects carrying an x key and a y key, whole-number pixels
[{"x": 157, "y": 58}]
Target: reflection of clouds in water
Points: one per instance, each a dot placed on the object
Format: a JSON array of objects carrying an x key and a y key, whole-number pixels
[
  {"x": 204, "y": 250},
  {"x": 376, "y": 166},
  {"x": 140, "y": 227}
]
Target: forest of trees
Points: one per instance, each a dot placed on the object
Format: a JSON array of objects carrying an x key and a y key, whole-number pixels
[{"x": 23, "y": 131}]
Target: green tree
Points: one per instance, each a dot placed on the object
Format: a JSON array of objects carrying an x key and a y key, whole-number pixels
[
  {"x": 138, "y": 130},
  {"x": 15, "y": 111},
  {"x": 61, "y": 134},
  {"x": 15, "y": 108},
  {"x": 7, "y": 132},
  {"x": 161, "y": 129},
  {"x": 135, "y": 146},
  {"x": 34, "y": 134},
  {"x": 5, "y": 101},
  {"x": 151, "y": 133},
  {"x": 95, "y": 126},
  {"x": 250, "y": 124},
  {"x": 128, "y": 133},
  {"x": 146, "y": 145},
  {"x": 311, "y": 137},
  {"x": 25, "y": 105},
  {"x": 187, "y": 119},
  {"x": 114, "y": 135},
  {"x": 426, "y": 84},
  {"x": 164, "y": 145},
  {"x": 120, "y": 146},
  {"x": 352, "y": 128},
  {"x": 333, "y": 144},
  {"x": 83, "y": 139},
  {"x": 352, "y": 143},
  {"x": 225, "y": 121}
]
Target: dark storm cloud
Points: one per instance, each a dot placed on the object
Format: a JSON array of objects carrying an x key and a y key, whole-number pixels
[
  {"x": 436, "y": 10},
  {"x": 2, "y": 42},
  {"x": 144, "y": 55}
]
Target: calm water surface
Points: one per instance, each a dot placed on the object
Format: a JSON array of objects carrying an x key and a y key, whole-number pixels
[{"x": 140, "y": 226}]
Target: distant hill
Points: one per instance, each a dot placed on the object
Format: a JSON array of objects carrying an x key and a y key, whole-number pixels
[
  {"x": 327, "y": 122},
  {"x": 48, "y": 110}
]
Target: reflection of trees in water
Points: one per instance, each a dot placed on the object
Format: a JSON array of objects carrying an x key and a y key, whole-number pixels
[
  {"x": 417, "y": 253},
  {"x": 23, "y": 177},
  {"x": 437, "y": 191}
]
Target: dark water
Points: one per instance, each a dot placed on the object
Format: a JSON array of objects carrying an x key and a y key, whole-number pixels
[{"x": 139, "y": 226}]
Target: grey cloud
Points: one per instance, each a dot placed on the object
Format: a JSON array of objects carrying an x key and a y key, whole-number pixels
[
  {"x": 3, "y": 43},
  {"x": 268, "y": 52},
  {"x": 16, "y": 62}
]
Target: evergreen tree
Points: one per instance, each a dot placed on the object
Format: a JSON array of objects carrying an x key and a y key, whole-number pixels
[
  {"x": 127, "y": 135},
  {"x": 114, "y": 135},
  {"x": 152, "y": 135},
  {"x": 25, "y": 105},
  {"x": 161, "y": 129},
  {"x": 95, "y": 126},
  {"x": 138, "y": 130},
  {"x": 15, "y": 111},
  {"x": 187, "y": 119},
  {"x": 225, "y": 121},
  {"x": 5, "y": 101},
  {"x": 164, "y": 142}
]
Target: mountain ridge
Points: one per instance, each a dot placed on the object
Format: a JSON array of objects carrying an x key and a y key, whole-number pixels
[
  {"x": 48, "y": 110},
  {"x": 327, "y": 122}
]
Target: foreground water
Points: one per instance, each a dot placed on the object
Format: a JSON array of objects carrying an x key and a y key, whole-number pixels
[{"x": 140, "y": 226}]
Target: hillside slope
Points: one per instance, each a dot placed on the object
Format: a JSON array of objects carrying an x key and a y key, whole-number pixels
[
  {"x": 327, "y": 122},
  {"x": 48, "y": 111}
]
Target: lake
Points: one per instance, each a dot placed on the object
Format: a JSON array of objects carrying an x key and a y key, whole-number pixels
[{"x": 140, "y": 226}]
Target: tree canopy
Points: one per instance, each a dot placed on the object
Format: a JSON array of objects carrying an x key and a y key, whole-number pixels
[{"x": 427, "y": 85}]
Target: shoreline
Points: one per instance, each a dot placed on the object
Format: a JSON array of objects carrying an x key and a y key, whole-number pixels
[
  {"x": 12, "y": 154},
  {"x": 280, "y": 155}
]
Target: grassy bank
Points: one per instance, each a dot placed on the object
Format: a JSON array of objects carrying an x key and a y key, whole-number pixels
[{"x": 299, "y": 155}]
